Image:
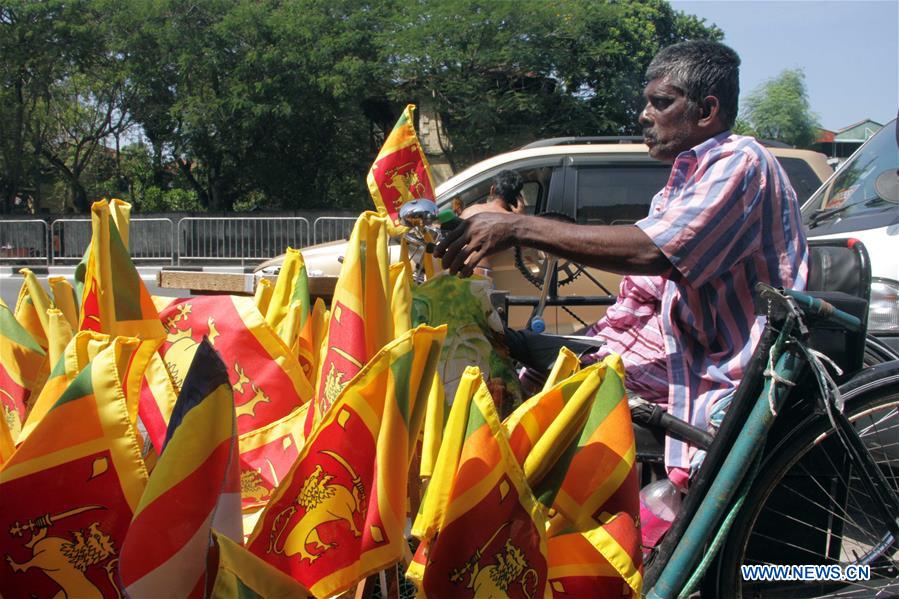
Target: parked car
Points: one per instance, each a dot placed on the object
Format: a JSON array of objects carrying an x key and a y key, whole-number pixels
[
  {"x": 861, "y": 200},
  {"x": 588, "y": 180}
]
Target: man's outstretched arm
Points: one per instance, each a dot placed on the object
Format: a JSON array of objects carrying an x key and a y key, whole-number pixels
[{"x": 623, "y": 249}]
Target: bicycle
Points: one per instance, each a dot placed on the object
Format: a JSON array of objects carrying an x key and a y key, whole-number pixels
[{"x": 802, "y": 470}]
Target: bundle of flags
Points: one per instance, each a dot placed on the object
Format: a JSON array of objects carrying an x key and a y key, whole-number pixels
[{"x": 265, "y": 446}]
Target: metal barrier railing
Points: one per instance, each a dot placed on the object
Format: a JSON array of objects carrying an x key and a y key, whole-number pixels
[
  {"x": 149, "y": 239},
  {"x": 239, "y": 239},
  {"x": 71, "y": 236},
  {"x": 24, "y": 241},
  {"x": 332, "y": 228}
]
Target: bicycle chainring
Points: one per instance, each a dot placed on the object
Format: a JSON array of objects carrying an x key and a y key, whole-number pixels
[{"x": 566, "y": 271}]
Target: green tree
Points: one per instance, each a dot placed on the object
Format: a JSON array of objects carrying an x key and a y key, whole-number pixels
[
  {"x": 779, "y": 109},
  {"x": 40, "y": 43},
  {"x": 503, "y": 73}
]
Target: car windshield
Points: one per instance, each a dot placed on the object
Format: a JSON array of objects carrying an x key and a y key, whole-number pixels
[{"x": 866, "y": 184}]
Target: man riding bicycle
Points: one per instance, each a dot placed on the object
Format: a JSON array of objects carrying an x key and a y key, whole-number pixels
[{"x": 684, "y": 321}]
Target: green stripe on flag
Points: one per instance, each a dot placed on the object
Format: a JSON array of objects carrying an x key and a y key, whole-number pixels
[
  {"x": 125, "y": 278},
  {"x": 82, "y": 386},
  {"x": 12, "y": 330},
  {"x": 475, "y": 419},
  {"x": 610, "y": 392},
  {"x": 401, "y": 367},
  {"x": 424, "y": 387}
]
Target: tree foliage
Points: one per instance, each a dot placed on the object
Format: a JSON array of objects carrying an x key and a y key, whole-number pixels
[
  {"x": 779, "y": 110},
  {"x": 284, "y": 103}
]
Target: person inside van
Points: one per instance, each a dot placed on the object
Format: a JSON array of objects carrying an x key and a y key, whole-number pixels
[{"x": 504, "y": 197}]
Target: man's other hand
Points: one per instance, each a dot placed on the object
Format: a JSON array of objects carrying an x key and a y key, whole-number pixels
[{"x": 475, "y": 238}]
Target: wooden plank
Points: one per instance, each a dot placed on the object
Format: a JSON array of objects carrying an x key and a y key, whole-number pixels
[{"x": 198, "y": 281}]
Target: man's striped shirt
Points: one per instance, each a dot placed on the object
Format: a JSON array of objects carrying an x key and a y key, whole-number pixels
[{"x": 727, "y": 219}]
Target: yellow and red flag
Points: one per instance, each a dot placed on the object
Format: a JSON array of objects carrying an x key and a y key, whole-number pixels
[
  {"x": 292, "y": 285},
  {"x": 600, "y": 490},
  {"x": 23, "y": 371},
  {"x": 266, "y": 456},
  {"x": 602, "y": 480},
  {"x": 267, "y": 380},
  {"x": 83, "y": 348},
  {"x": 59, "y": 334},
  {"x": 193, "y": 489},
  {"x": 64, "y": 299},
  {"x": 490, "y": 540},
  {"x": 361, "y": 322},
  {"x": 69, "y": 490},
  {"x": 578, "y": 566},
  {"x": 7, "y": 446},
  {"x": 400, "y": 172},
  {"x": 40, "y": 301},
  {"x": 114, "y": 299},
  {"x": 263, "y": 295},
  {"x": 28, "y": 307},
  {"x": 340, "y": 513}
]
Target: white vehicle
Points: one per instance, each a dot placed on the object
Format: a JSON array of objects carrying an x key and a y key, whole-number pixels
[
  {"x": 861, "y": 201},
  {"x": 594, "y": 180}
]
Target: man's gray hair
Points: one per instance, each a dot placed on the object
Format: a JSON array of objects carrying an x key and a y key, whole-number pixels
[{"x": 701, "y": 68}]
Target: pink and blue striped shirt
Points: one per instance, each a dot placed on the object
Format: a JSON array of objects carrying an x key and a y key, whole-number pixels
[{"x": 727, "y": 219}]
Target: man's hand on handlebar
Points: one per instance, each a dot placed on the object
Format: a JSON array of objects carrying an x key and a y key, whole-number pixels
[{"x": 483, "y": 234}]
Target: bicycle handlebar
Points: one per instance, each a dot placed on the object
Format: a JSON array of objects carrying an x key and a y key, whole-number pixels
[
  {"x": 826, "y": 310},
  {"x": 789, "y": 300}
]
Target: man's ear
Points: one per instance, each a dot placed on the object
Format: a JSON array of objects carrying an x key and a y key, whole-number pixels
[{"x": 709, "y": 111}]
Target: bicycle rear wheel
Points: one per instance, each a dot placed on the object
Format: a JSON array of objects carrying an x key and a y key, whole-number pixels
[{"x": 808, "y": 506}]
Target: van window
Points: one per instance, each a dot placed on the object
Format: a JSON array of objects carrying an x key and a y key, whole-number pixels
[
  {"x": 618, "y": 194},
  {"x": 536, "y": 184}
]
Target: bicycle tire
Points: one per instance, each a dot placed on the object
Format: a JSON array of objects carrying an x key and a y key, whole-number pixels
[{"x": 805, "y": 502}]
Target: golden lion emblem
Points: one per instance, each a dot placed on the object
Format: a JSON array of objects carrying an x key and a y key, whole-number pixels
[
  {"x": 251, "y": 486},
  {"x": 494, "y": 580},
  {"x": 65, "y": 561},
  {"x": 323, "y": 501}
]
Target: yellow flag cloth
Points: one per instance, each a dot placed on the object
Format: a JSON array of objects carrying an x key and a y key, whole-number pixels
[
  {"x": 81, "y": 466},
  {"x": 340, "y": 513}
]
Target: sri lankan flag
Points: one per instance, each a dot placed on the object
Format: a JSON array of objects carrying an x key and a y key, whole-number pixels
[
  {"x": 361, "y": 323},
  {"x": 600, "y": 491},
  {"x": 28, "y": 308},
  {"x": 59, "y": 334},
  {"x": 601, "y": 480},
  {"x": 340, "y": 513},
  {"x": 64, "y": 299},
  {"x": 23, "y": 371},
  {"x": 291, "y": 286},
  {"x": 490, "y": 540},
  {"x": 267, "y": 380},
  {"x": 114, "y": 298},
  {"x": 83, "y": 348},
  {"x": 266, "y": 455},
  {"x": 400, "y": 172},
  {"x": 578, "y": 566},
  {"x": 34, "y": 294},
  {"x": 193, "y": 489},
  {"x": 68, "y": 492}
]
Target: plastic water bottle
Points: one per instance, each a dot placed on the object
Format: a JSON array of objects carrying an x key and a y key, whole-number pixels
[{"x": 659, "y": 503}]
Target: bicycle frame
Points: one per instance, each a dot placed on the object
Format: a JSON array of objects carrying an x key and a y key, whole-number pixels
[{"x": 722, "y": 492}]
